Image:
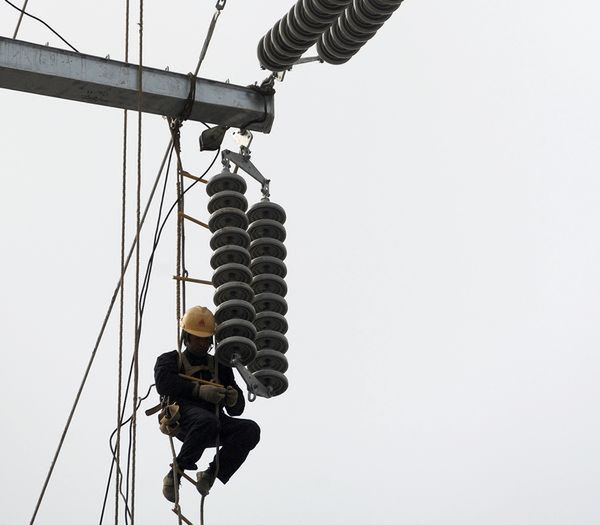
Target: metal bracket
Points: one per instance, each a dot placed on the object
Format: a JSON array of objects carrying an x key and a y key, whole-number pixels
[
  {"x": 255, "y": 387},
  {"x": 242, "y": 160}
]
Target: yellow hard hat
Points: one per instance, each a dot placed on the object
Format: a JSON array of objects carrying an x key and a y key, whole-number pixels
[{"x": 199, "y": 321}]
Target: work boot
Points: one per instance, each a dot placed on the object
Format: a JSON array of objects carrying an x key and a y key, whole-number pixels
[
  {"x": 169, "y": 486},
  {"x": 205, "y": 481}
]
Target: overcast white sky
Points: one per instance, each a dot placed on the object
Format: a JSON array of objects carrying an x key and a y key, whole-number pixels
[{"x": 442, "y": 195}]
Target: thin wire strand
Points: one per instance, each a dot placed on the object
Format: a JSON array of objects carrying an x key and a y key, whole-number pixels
[
  {"x": 113, "y": 450},
  {"x": 121, "y": 318},
  {"x": 23, "y": 12}
]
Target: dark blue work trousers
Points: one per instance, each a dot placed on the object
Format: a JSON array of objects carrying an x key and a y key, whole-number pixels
[{"x": 198, "y": 429}]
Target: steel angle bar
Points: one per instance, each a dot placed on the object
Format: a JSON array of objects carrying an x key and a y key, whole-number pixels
[{"x": 53, "y": 72}]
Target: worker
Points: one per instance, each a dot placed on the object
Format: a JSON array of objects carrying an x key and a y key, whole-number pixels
[{"x": 202, "y": 406}]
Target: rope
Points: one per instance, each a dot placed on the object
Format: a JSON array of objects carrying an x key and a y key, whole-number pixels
[
  {"x": 97, "y": 344},
  {"x": 121, "y": 295},
  {"x": 20, "y": 19},
  {"x": 136, "y": 373},
  {"x": 182, "y": 240},
  {"x": 145, "y": 288},
  {"x": 174, "y": 127}
]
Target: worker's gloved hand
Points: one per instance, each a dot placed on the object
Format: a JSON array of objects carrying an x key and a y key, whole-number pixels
[
  {"x": 210, "y": 393},
  {"x": 231, "y": 396}
]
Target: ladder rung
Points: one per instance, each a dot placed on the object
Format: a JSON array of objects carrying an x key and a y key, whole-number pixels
[
  {"x": 190, "y": 280},
  {"x": 202, "y": 381},
  {"x": 181, "y": 516},
  {"x": 191, "y": 219},
  {"x": 190, "y": 176},
  {"x": 189, "y": 478}
]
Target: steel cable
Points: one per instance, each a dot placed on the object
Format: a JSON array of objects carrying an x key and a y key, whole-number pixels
[{"x": 211, "y": 28}]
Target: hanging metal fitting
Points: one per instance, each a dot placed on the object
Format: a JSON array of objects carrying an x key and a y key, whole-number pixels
[
  {"x": 242, "y": 160},
  {"x": 244, "y": 140},
  {"x": 220, "y": 5}
]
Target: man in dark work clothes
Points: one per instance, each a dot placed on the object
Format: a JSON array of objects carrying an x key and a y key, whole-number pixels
[{"x": 198, "y": 402}]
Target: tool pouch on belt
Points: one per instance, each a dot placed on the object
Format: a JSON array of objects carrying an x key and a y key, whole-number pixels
[{"x": 168, "y": 419}]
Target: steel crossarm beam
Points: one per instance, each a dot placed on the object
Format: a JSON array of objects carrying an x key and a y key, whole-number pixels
[{"x": 68, "y": 75}]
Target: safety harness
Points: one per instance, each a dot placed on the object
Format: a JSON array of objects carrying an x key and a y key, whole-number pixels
[{"x": 169, "y": 412}]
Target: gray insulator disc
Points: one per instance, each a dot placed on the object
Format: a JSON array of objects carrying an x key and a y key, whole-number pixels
[
  {"x": 232, "y": 346},
  {"x": 235, "y": 328},
  {"x": 275, "y": 381},
  {"x": 271, "y": 302},
  {"x": 271, "y": 339},
  {"x": 266, "y": 228},
  {"x": 269, "y": 282},
  {"x": 226, "y": 181},
  {"x": 265, "y": 57},
  {"x": 271, "y": 321},
  {"x": 231, "y": 272},
  {"x": 267, "y": 264},
  {"x": 233, "y": 290},
  {"x": 230, "y": 254},
  {"x": 266, "y": 246},
  {"x": 266, "y": 210},
  {"x": 268, "y": 359},
  {"x": 227, "y": 199},
  {"x": 229, "y": 236},
  {"x": 227, "y": 217},
  {"x": 235, "y": 309}
]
